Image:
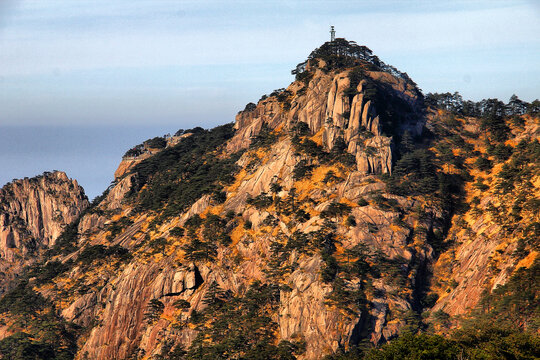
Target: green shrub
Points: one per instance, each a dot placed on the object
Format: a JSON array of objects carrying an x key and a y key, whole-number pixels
[
  {"x": 304, "y": 76},
  {"x": 135, "y": 151},
  {"x": 46, "y": 273},
  {"x": 22, "y": 346},
  {"x": 261, "y": 201},
  {"x": 219, "y": 196},
  {"x": 157, "y": 245},
  {"x": 330, "y": 177},
  {"x": 194, "y": 222},
  {"x": 22, "y": 299},
  {"x": 300, "y": 128},
  {"x": 421, "y": 346},
  {"x": 182, "y": 304},
  {"x": 502, "y": 152},
  {"x": 241, "y": 327},
  {"x": 329, "y": 269},
  {"x": 198, "y": 250},
  {"x": 47, "y": 335},
  {"x": 482, "y": 163},
  {"x": 156, "y": 143},
  {"x": 362, "y": 202},
  {"x": 302, "y": 169},
  {"x": 250, "y": 107},
  {"x": 101, "y": 252},
  {"x": 118, "y": 226},
  {"x": 177, "y": 231},
  {"x": 335, "y": 209},
  {"x": 265, "y": 137}
]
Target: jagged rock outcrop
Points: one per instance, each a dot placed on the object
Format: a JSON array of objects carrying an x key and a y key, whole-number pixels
[
  {"x": 112, "y": 203},
  {"x": 303, "y": 311},
  {"x": 117, "y": 295},
  {"x": 324, "y": 104},
  {"x": 33, "y": 213}
]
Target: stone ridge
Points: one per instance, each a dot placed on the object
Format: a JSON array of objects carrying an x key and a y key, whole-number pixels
[{"x": 128, "y": 162}]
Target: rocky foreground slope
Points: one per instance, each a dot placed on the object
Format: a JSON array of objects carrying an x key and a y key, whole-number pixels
[{"x": 330, "y": 215}]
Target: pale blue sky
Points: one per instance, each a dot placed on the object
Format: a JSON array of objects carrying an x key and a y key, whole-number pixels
[{"x": 177, "y": 64}]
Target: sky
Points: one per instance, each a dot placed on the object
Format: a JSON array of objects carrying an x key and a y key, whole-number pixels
[{"x": 82, "y": 81}]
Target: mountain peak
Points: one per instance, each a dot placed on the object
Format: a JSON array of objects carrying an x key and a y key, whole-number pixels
[{"x": 341, "y": 54}]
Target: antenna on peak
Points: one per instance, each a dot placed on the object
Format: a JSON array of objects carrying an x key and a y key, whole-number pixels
[{"x": 332, "y": 33}]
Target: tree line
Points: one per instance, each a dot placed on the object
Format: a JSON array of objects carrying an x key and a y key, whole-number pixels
[{"x": 487, "y": 107}]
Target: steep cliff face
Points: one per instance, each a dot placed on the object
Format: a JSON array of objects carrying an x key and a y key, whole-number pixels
[
  {"x": 33, "y": 213},
  {"x": 341, "y": 106},
  {"x": 498, "y": 234}
]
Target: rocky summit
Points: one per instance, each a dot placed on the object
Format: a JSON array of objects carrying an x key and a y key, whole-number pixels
[{"x": 347, "y": 216}]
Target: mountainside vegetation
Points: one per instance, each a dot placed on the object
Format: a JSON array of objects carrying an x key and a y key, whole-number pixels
[{"x": 345, "y": 217}]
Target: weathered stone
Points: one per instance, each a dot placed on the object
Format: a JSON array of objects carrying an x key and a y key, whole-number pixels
[{"x": 33, "y": 213}]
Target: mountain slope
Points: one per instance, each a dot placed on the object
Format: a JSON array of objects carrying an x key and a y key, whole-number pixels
[{"x": 324, "y": 218}]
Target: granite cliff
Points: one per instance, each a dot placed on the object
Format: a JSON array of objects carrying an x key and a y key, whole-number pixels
[{"x": 33, "y": 213}]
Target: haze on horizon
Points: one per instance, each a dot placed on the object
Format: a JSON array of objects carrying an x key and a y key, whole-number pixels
[{"x": 138, "y": 67}]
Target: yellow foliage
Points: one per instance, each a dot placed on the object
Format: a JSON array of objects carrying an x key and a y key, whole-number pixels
[
  {"x": 528, "y": 260},
  {"x": 240, "y": 177},
  {"x": 171, "y": 249},
  {"x": 116, "y": 217},
  {"x": 352, "y": 204},
  {"x": 280, "y": 127},
  {"x": 212, "y": 210},
  {"x": 262, "y": 154},
  {"x": 320, "y": 172},
  {"x": 317, "y": 138},
  {"x": 511, "y": 142},
  {"x": 237, "y": 233}
]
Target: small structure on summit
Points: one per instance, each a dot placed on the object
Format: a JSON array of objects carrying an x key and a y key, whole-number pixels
[{"x": 332, "y": 34}]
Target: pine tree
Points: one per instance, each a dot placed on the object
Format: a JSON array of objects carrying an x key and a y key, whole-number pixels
[
  {"x": 214, "y": 295},
  {"x": 154, "y": 310},
  {"x": 407, "y": 143}
]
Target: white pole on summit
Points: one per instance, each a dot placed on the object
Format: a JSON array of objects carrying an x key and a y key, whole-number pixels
[{"x": 332, "y": 34}]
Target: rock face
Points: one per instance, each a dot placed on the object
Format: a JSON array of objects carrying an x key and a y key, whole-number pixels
[
  {"x": 33, "y": 213},
  {"x": 325, "y": 105},
  {"x": 144, "y": 151}
]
